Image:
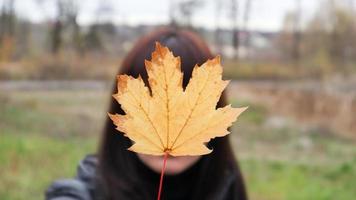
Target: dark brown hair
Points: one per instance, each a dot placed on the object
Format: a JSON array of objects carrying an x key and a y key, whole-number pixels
[{"x": 117, "y": 165}]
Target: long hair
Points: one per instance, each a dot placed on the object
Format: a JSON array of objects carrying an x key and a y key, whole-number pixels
[{"x": 117, "y": 166}]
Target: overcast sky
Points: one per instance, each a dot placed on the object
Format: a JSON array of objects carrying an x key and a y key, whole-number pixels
[{"x": 265, "y": 14}]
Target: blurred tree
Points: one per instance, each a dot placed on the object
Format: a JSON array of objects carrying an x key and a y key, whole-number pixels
[
  {"x": 246, "y": 18},
  {"x": 171, "y": 5},
  {"x": 7, "y": 29},
  {"x": 217, "y": 32},
  {"x": 23, "y": 38},
  {"x": 235, "y": 28},
  {"x": 342, "y": 37},
  {"x": 92, "y": 38},
  {"x": 7, "y": 18},
  {"x": 104, "y": 12},
  {"x": 67, "y": 13},
  {"x": 185, "y": 9},
  {"x": 57, "y": 28},
  {"x": 102, "y": 34},
  {"x": 56, "y": 36},
  {"x": 330, "y": 37},
  {"x": 290, "y": 39},
  {"x": 72, "y": 10},
  {"x": 297, "y": 33}
]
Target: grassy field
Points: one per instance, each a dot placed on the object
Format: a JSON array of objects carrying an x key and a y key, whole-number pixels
[{"x": 43, "y": 134}]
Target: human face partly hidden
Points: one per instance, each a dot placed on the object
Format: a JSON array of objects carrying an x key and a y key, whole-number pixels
[{"x": 175, "y": 165}]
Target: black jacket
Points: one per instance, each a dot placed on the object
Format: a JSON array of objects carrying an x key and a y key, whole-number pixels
[{"x": 83, "y": 186}]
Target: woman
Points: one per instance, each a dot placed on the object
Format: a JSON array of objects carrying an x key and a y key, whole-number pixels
[{"x": 117, "y": 173}]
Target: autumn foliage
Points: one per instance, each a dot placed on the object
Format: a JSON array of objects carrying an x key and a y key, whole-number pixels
[{"x": 168, "y": 119}]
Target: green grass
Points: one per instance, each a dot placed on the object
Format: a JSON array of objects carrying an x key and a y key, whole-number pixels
[
  {"x": 289, "y": 180},
  {"x": 42, "y": 138},
  {"x": 44, "y": 134},
  {"x": 29, "y": 163},
  {"x": 290, "y": 161},
  {"x": 255, "y": 114}
]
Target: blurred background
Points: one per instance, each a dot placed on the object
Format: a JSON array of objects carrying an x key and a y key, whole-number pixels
[{"x": 292, "y": 61}]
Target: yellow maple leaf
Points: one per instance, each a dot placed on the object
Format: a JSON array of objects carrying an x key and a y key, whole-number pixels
[{"x": 168, "y": 119}]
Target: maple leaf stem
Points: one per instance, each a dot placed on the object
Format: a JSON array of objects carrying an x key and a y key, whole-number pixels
[{"x": 162, "y": 174}]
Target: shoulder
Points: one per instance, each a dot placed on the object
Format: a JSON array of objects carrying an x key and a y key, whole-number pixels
[
  {"x": 232, "y": 186},
  {"x": 80, "y": 187}
]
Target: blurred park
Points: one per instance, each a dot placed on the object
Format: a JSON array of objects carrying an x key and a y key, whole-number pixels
[{"x": 293, "y": 62}]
